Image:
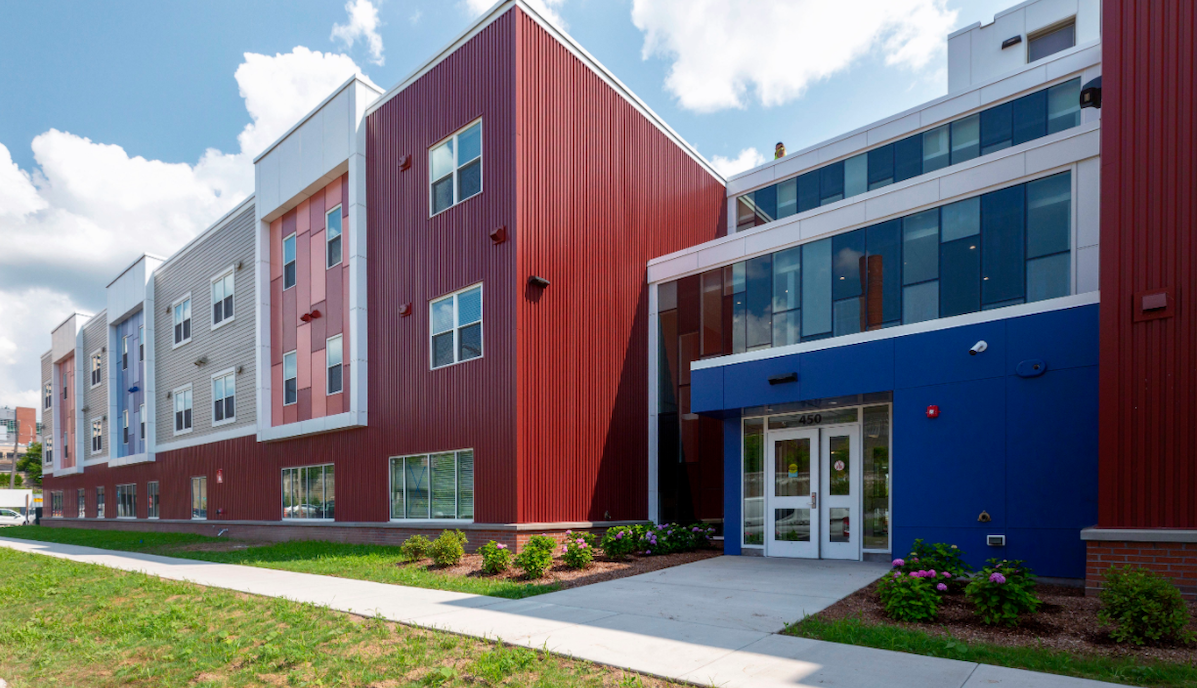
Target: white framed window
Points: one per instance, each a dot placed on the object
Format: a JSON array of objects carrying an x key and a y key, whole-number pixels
[
  {"x": 97, "y": 369},
  {"x": 182, "y": 400},
  {"x": 182, "y": 320},
  {"x": 456, "y": 327},
  {"x": 334, "y": 356},
  {"x": 224, "y": 397},
  {"x": 222, "y": 298},
  {"x": 141, "y": 420},
  {"x": 290, "y": 379},
  {"x": 455, "y": 166},
  {"x": 1051, "y": 40},
  {"x": 100, "y": 503},
  {"x": 199, "y": 497},
  {"x": 97, "y": 435},
  {"x": 309, "y": 492},
  {"x": 151, "y": 497},
  {"x": 332, "y": 237},
  {"x": 289, "y": 262},
  {"x": 56, "y": 504},
  {"x": 125, "y": 426},
  {"x": 126, "y": 501},
  {"x": 82, "y": 502},
  {"x": 141, "y": 343},
  {"x": 437, "y": 485},
  {"x": 125, "y": 352},
  {"x": 47, "y": 395},
  {"x": 49, "y": 460}
]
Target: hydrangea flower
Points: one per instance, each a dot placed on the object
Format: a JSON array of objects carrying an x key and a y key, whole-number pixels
[
  {"x": 619, "y": 535},
  {"x": 648, "y": 551},
  {"x": 947, "y": 574},
  {"x": 941, "y": 587},
  {"x": 932, "y": 573},
  {"x": 897, "y": 575},
  {"x": 997, "y": 578},
  {"x": 899, "y": 562},
  {"x": 501, "y": 545},
  {"x": 914, "y": 574}
]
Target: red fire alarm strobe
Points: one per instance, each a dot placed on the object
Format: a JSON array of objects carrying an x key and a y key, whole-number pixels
[
  {"x": 219, "y": 476},
  {"x": 933, "y": 411}
]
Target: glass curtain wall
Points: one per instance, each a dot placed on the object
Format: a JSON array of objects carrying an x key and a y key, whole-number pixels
[
  {"x": 309, "y": 492},
  {"x": 1030, "y": 117}
]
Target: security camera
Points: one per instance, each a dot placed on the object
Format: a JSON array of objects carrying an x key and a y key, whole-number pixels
[{"x": 978, "y": 348}]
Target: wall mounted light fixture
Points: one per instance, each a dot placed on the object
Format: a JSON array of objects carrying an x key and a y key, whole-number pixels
[{"x": 538, "y": 281}]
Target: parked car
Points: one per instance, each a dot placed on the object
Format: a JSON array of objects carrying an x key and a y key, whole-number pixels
[{"x": 8, "y": 517}]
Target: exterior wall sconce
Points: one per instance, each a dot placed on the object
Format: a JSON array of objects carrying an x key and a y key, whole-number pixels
[
  {"x": 783, "y": 378},
  {"x": 538, "y": 281},
  {"x": 405, "y": 309},
  {"x": 309, "y": 317},
  {"x": 1013, "y": 40},
  {"x": 404, "y": 162},
  {"x": 1091, "y": 94},
  {"x": 498, "y": 235},
  {"x": 201, "y": 361}
]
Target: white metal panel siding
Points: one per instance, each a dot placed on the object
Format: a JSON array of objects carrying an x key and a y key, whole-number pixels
[
  {"x": 226, "y": 347},
  {"x": 47, "y": 414},
  {"x": 95, "y": 399}
]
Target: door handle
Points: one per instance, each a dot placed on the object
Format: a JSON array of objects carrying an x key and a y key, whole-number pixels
[{"x": 814, "y": 500}]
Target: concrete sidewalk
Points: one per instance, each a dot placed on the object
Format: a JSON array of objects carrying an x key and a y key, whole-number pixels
[{"x": 686, "y": 623}]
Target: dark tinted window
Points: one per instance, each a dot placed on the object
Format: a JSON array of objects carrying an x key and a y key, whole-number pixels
[
  {"x": 920, "y": 247},
  {"x": 1030, "y": 117},
  {"x": 959, "y": 277},
  {"x": 908, "y": 157},
  {"x": 883, "y": 274},
  {"x": 1002, "y": 214},
  {"x": 831, "y": 183},
  {"x": 816, "y": 288},
  {"x": 808, "y": 191},
  {"x": 881, "y": 167},
  {"x": 760, "y": 300},
  {"x": 1049, "y": 210},
  {"x": 766, "y": 203},
  {"x": 997, "y": 128}
]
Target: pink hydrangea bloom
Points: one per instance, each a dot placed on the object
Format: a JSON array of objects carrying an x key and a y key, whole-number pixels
[
  {"x": 997, "y": 578},
  {"x": 501, "y": 546},
  {"x": 941, "y": 587},
  {"x": 947, "y": 574},
  {"x": 933, "y": 573},
  {"x": 914, "y": 574},
  {"x": 899, "y": 562}
]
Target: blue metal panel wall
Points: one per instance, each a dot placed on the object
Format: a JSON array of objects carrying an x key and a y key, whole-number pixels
[
  {"x": 130, "y": 388},
  {"x": 1024, "y": 450},
  {"x": 731, "y": 483}
]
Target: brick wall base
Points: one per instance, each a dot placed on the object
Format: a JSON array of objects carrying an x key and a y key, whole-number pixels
[
  {"x": 1175, "y": 560},
  {"x": 381, "y": 534}
]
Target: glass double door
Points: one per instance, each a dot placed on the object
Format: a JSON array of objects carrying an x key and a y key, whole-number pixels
[{"x": 813, "y": 493}]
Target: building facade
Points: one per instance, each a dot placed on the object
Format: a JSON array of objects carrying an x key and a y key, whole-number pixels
[{"x": 435, "y": 312}]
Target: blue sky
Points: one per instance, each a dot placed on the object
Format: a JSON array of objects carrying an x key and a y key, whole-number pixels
[{"x": 129, "y": 125}]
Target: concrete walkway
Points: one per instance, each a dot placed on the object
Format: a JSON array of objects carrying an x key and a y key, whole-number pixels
[{"x": 711, "y": 623}]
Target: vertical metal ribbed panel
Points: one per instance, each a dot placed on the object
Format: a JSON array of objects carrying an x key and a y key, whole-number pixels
[
  {"x": 1148, "y": 474},
  {"x": 601, "y": 192}
]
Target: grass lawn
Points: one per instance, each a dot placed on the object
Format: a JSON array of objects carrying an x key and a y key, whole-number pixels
[
  {"x": 1129, "y": 670},
  {"x": 363, "y": 562},
  {"x": 68, "y": 624}
]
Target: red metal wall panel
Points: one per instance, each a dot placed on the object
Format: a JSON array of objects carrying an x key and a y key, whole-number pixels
[
  {"x": 601, "y": 192},
  {"x": 1148, "y": 455}
]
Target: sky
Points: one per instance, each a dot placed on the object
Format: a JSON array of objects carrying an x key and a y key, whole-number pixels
[{"x": 127, "y": 128}]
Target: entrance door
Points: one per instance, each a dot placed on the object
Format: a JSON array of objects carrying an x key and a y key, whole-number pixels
[
  {"x": 840, "y": 470},
  {"x": 791, "y": 515}
]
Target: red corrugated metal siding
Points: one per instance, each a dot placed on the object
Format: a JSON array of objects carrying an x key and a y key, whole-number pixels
[
  {"x": 1148, "y": 459},
  {"x": 601, "y": 192}
]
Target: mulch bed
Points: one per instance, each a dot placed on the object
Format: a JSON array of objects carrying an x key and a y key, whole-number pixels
[
  {"x": 601, "y": 569},
  {"x": 1067, "y": 622}
]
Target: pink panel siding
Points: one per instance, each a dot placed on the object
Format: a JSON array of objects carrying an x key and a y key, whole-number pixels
[
  {"x": 334, "y": 312},
  {"x": 319, "y": 259},
  {"x": 304, "y": 355},
  {"x": 276, "y": 402},
  {"x": 319, "y": 326},
  {"x": 276, "y": 324},
  {"x": 303, "y": 216},
  {"x": 276, "y": 249},
  {"x": 319, "y": 384}
]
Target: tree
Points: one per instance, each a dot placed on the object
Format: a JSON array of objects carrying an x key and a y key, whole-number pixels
[{"x": 31, "y": 463}]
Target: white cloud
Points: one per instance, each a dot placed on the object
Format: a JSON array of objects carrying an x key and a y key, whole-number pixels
[
  {"x": 87, "y": 209},
  {"x": 728, "y": 52},
  {"x": 549, "y": 9},
  {"x": 746, "y": 160},
  {"x": 363, "y": 24}
]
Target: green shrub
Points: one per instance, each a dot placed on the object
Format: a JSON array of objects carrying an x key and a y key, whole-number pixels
[
  {"x": 449, "y": 548},
  {"x": 938, "y": 557},
  {"x": 1143, "y": 607},
  {"x": 1002, "y": 591},
  {"x": 620, "y": 541},
  {"x": 415, "y": 548},
  {"x": 537, "y": 556},
  {"x": 496, "y": 558},
  {"x": 908, "y": 596},
  {"x": 578, "y": 551}
]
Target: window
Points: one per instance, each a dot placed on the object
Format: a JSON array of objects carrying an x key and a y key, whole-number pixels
[
  {"x": 56, "y": 504},
  {"x": 332, "y": 237},
  {"x": 182, "y": 320},
  {"x": 199, "y": 497},
  {"x": 309, "y": 492},
  {"x": 126, "y": 501},
  {"x": 1027, "y": 118},
  {"x": 96, "y": 369},
  {"x": 224, "y": 398},
  {"x": 433, "y": 485},
  {"x": 97, "y": 436},
  {"x": 64, "y": 383},
  {"x": 141, "y": 343},
  {"x": 456, "y": 168},
  {"x": 47, "y": 395},
  {"x": 141, "y": 420},
  {"x": 289, "y": 262},
  {"x": 81, "y": 500},
  {"x": 49, "y": 453},
  {"x": 290, "y": 379},
  {"x": 222, "y": 299},
  {"x": 125, "y": 426},
  {"x": 182, "y": 398},
  {"x": 100, "y": 503},
  {"x": 457, "y": 327},
  {"x": 1001, "y": 248},
  {"x": 151, "y": 494},
  {"x": 125, "y": 352},
  {"x": 1051, "y": 41},
  {"x": 334, "y": 357}
]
